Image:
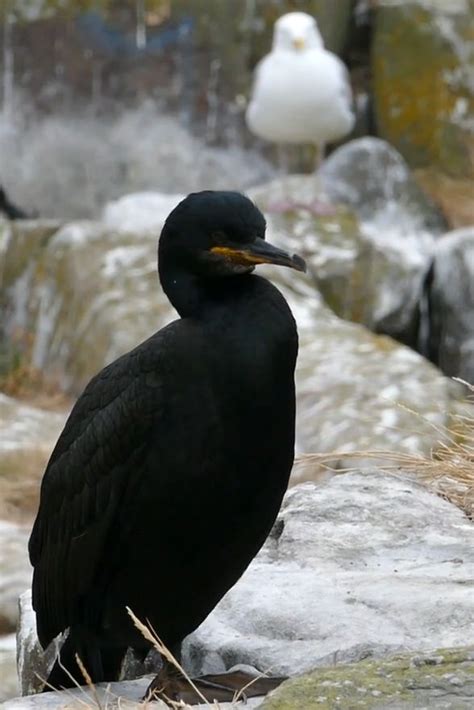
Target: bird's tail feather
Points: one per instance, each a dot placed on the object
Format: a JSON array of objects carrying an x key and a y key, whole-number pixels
[{"x": 100, "y": 664}]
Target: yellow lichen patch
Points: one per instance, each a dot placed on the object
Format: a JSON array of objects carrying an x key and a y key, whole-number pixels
[
  {"x": 453, "y": 196},
  {"x": 421, "y": 97}
]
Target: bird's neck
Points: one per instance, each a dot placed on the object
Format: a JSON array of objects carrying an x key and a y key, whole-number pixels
[{"x": 193, "y": 297}]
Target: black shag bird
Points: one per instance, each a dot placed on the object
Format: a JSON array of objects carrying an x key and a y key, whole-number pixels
[
  {"x": 10, "y": 210},
  {"x": 172, "y": 466}
]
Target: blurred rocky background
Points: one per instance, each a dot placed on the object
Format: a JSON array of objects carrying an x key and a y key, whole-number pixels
[{"x": 110, "y": 111}]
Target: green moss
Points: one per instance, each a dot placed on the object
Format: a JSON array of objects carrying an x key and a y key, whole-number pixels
[{"x": 368, "y": 683}]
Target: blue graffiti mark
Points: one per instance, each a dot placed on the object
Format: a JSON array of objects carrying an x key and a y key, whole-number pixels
[{"x": 112, "y": 41}]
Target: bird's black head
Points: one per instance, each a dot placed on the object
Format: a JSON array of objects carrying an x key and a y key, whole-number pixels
[{"x": 215, "y": 234}]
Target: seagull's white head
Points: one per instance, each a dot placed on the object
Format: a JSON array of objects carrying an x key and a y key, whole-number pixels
[{"x": 297, "y": 31}]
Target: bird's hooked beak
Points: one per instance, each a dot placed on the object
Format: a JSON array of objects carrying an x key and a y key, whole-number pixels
[
  {"x": 298, "y": 43},
  {"x": 259, "y": 252}
]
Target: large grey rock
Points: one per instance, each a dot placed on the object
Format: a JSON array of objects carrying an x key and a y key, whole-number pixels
[
  {"x": 27, "y": 427},
  {"x": 362, "y": 565},
  {"x": 450, "y": 305},
  {"x": 371, "y": 176},
  {"x": 358, "y": 391},
  {"x": 368, "y": 257},
  {"x": 422, "y": 58},
  {"x": 15, "y": 574},
  {"x": 28, "y": 435},
  {"x": 113, "y": 696},
  {"x": 443, "y": 680},
  {"x": 8, "y": 675},
  {"x": 92, "y": 293}
]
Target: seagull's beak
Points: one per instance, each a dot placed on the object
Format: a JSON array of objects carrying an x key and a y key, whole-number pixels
[
  {"x": 259, "y": 252},
  {"x": 298, "y": 43}
]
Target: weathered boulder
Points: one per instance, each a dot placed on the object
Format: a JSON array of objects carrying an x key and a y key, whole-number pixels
[
  {"x": 372, "y": 178},
  {"x": 28, "y": 436},
  {"x": 8, "y": 675},
  {"x": 442, "y": 680},
  {"x": 368, "y": 255},
  {"x": 362, "y": 566},
  {"x": 358, "y": 391},
  {"x": 16, "y": 572},
  {"x": 92, "y": 294},
  {"x": 450, "y": 305},
  {"x": 126, "y": 695},
  {"x": 89, "y": 295},
  {"x": 422, "y": 62}
]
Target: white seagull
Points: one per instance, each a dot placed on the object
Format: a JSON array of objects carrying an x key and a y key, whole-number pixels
[{"x": 301, "y": 92}]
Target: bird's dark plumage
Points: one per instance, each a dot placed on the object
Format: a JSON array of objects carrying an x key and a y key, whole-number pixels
[
  {"x": 172, "y": 466},
  {"x": 9, "y": 209}
]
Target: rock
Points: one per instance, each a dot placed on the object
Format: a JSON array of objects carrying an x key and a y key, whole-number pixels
[
  {"x": 372, "y": 178},
  {"x": 360, "y": 566},
  {"x": 450, "y": 305},
  {"x": 362, "y": 392},
  {"x": 26, "y": 427},
  {"x": 113, "y": 696},
  {"x": 28, "y": 436},
  {"x": 452, "y": 195},
  {"x": 139, "y": 212},
  {"x": 368, "y": 256},
  {"x": 426, "y": 113},
  {"x": 33, "y": 664},
  {"x": 8, "y": 676},
  {"x": 92, "y": 294},
  {"x": 16, "y": 572},
  {"x": 442, "y": 680}
]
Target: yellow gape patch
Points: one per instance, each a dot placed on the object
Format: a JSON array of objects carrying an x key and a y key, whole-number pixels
[{"x": 238, "y": 257}]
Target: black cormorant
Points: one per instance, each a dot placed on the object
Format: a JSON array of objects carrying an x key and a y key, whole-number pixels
[
  {"x": 10, "y": 210},
  {"x": 172, "y": 466}
]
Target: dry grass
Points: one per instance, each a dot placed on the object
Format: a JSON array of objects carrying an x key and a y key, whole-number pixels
[
  {"x": 19, "y": 379},
  {"x": 29, "y": 384},
  {"x": 448, "y": 469},
  {"x": 91, "y": 698},
  {"x": 20, "y": 477}
]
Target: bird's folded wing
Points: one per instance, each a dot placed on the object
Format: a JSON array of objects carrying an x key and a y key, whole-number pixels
[{"x": 82, "y": 489}]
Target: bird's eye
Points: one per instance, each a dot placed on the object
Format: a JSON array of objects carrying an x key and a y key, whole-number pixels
[{"x": 218, "y": 236}]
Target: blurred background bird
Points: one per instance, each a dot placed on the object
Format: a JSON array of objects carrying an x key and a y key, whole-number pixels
[{"x": 301, "y": 92}]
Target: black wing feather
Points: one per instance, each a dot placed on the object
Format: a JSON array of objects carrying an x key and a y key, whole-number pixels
[{"x": 83, "y": 484}]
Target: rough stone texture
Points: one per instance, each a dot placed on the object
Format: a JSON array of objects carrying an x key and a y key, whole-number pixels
[
  {"x": 112, "y": 696},
  {"x": 372, "y": 178},
  {"x": 8, "y": 677},
  {"x": 368, "y": 256},
  {"x": 15, "y": 572},
  {"x": 360, "y": 567},
  {"x": 452, "y": 195},
  {"x": 27, "y": 427},
  {"x": 89, "y": 295},
  {"x": 450, "y": 305},
  {"x": 92, "y": 294},
  {"x": 358, "y": 391},
  {"x": 28, "y": 435},
  {"x": 443, "y": 680},
  {"x": 426, "y": 113}
]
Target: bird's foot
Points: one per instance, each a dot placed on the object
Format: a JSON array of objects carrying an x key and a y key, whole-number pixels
[{"x": 223, "y": 687}]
